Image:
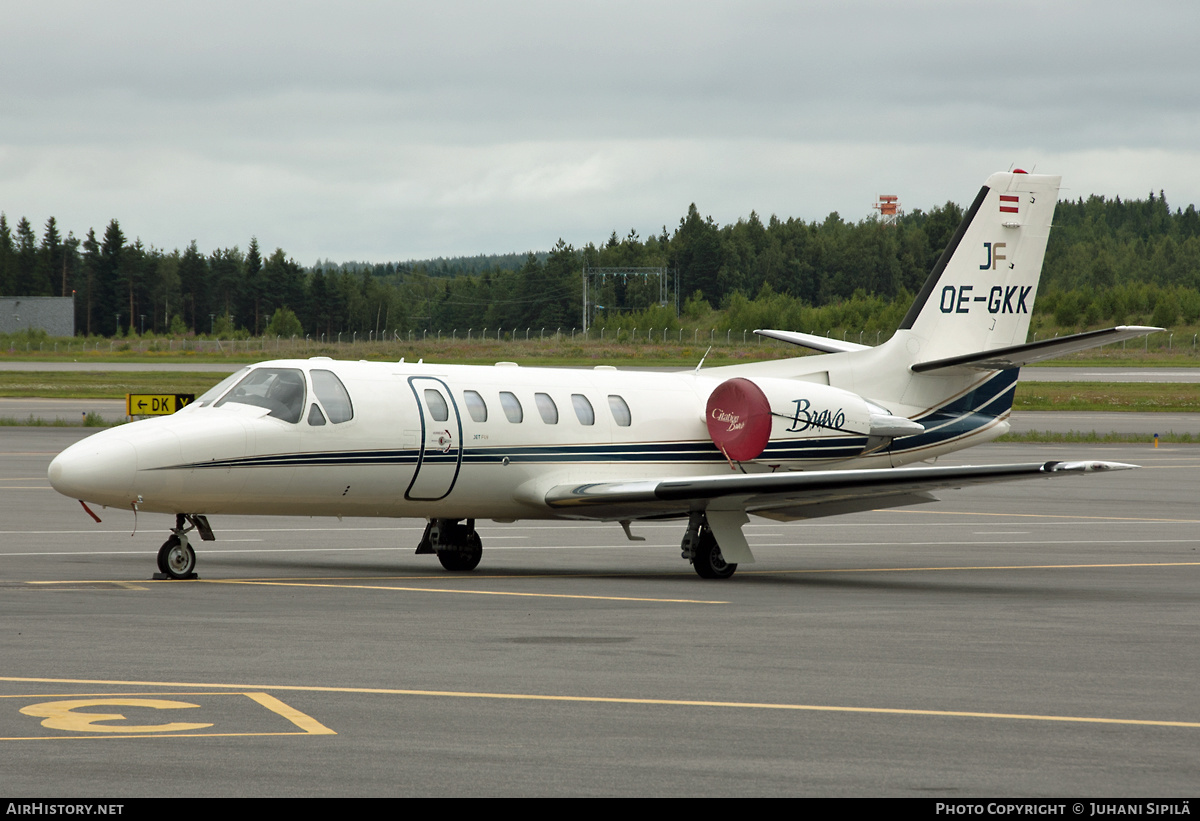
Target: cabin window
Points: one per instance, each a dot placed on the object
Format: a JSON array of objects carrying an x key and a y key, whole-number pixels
[
  {"x": 332, "y": 393},
  {"x": 475, "y": 405},
  {"x": 437, "y": 405},
  {"x": 279, "y": 390},
  {"x": 620, "y": 411},
  {"x": 546, "y": 408},
  {"x": 583, "y": 409},
  {"x": 315, "y": 417},
  {"x": 512, "y": 406}
]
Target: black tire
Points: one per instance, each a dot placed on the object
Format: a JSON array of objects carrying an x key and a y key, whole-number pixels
[
  {"x": 460, "y": 559},
  {"x": 708, "y": 561},
  {"x": 170, "y": 543},
  {"x": 177, "y": 560}
]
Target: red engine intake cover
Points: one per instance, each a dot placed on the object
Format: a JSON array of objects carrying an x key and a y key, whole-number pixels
[{"x": 739, "y": 419}]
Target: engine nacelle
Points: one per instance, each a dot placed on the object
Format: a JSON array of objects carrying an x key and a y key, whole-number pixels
[{"x": 744, "y": 414}]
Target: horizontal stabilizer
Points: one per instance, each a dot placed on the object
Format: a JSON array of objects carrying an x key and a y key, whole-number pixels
[
  {"x": 1016, "y": 356},
  {"x": 755, "y": 492},
  {"x": 817, "y": 343}
]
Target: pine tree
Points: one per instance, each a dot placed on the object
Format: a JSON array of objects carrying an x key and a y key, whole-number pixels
[
  {"x": 27, "y": 274},
  {"x": 252, "y": 289},
  {"x": 110, "y": 285},
  {"x": 193, "y": 284},
  {"x": 8, "y": 262},
  {"x": 50, "y": 267},
  {"x": 88, "y": 278}
]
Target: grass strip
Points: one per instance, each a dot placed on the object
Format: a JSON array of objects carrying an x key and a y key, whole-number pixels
[
  {"x": 91, "y": 420},
  {"x": 1166, "y": 397},
  {"x": 101, "y": 384}
]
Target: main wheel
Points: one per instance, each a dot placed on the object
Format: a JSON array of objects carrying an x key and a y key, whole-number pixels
[
  {"x": 708, "y": 561},
  {"x": 460, "y": 559},
  {"x": 176, "y": 559}
]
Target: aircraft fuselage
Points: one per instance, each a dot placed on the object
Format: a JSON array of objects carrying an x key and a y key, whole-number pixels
[{"x": 462, "y": 441}]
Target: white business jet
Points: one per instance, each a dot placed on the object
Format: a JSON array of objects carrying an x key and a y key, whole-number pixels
[{"x": 790, "y": 439}]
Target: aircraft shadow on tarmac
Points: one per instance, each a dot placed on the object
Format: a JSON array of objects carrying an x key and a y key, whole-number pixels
[{"x": 233, "y": 569}]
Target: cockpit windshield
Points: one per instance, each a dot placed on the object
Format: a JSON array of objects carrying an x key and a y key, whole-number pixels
[
  {"x": 280, "y": 390},
  {"x": 214, "y": 393}
]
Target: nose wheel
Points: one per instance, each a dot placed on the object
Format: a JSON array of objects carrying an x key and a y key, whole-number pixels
[{"x": 177, "y": 559}]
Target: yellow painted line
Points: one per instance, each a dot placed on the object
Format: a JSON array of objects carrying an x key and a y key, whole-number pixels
[
  {"x": 305, "y": 722},
  {"x": 661, "y": 702},
  {"x": 470, "y": 592},
  {"x": 99, "y": 584},
  {"x": 141, "y": 735},
  {"x": 473, "y": 577},
  {"x": 976, "y": 567},
  {"x": 1048, "y": 516}
]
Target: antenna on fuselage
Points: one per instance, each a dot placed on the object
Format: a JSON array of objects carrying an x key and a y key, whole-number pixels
[{"x": 700, "y": 364}]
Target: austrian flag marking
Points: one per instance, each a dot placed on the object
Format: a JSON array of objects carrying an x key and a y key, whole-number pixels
[{"x": 1009, "y": 203}]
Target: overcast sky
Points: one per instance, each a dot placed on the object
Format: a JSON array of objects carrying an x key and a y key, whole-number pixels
[{"x": 393, "y": 130}]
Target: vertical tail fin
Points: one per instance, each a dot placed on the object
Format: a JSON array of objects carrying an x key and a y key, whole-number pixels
[{"x": 980, "y": 293}]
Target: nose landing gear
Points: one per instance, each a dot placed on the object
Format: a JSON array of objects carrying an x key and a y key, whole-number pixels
[{"x": 176, "y": 558}]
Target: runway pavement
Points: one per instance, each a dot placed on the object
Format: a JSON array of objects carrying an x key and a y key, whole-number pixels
[
  {"x": 1027, "y": 639},
  {"x": 1047, "y": 374},
  {"x": 1127, "y": 423}
]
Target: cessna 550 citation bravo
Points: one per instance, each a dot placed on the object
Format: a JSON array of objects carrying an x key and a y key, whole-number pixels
[{"x": 789, "y": 439}]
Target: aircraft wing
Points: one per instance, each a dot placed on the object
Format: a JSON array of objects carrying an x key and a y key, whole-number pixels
[
  {"x": 793, "y": 495},
  {"x": 1016, "y": 356}
]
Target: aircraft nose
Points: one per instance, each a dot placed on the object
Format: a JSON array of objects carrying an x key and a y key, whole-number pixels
[{"x": 99, "y": 469}]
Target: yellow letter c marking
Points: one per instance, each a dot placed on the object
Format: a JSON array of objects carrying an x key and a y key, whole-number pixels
[{"x": 61, "y": 715}]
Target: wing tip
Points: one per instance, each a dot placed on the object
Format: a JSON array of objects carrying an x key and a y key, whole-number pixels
[{"x": 1091, "y": 466}]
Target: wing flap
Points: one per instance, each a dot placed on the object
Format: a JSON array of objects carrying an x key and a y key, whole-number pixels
[
  {"x": 792, "y": 514},
  {"x": 841, "y": 490}
]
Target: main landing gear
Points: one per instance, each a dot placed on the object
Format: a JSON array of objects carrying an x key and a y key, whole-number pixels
[
  {"x": 701, "y": 549},
  {"x": 457, "y": 546},
  {"x": 176, "y": 558}
]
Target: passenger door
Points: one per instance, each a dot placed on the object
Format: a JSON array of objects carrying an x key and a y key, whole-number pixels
[{"x": 440, "y": 454}]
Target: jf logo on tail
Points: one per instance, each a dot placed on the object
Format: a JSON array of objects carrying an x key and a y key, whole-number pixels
[{"x": 795, "y": 438}]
